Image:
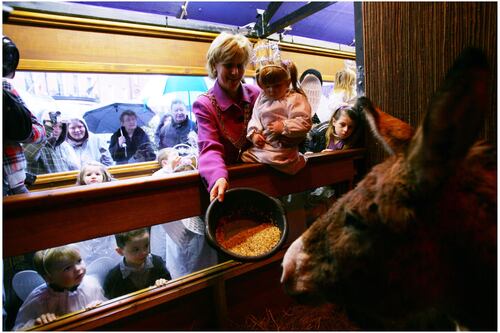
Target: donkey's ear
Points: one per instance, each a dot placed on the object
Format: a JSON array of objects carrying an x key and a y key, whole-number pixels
[
  {"x": 393, "y": 133},
  {"x": 453, "y": 120}
]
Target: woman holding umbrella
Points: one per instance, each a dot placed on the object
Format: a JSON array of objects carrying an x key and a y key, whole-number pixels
[
  {"x": 224, "y": 111},
  {"x": 128, "y": 139}
]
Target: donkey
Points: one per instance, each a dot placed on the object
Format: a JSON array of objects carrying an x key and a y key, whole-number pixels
[{"x": 417, "y": 237}]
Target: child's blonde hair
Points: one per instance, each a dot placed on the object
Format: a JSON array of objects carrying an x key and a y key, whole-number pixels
[
  {"x": 345, "y": 80},
  {"x": 187, "y": 163},
  {"x": 166, "y": 153},
  {"x": 45, "y": 260},
  {"x": 276, "y": 73},
  {"x": 225, "y": 47},
  {"x": 106, "y": 175}
]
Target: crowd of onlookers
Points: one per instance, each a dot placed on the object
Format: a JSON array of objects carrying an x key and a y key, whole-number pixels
[
  {"x": 279, "y": 122},
  {"x": 297, "y": 117}
]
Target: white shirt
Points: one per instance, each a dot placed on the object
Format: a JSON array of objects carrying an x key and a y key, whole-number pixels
[{"x": 44, "y": 299}]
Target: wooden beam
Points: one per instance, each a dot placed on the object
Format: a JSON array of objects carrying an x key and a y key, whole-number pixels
[{"x": 49, "y": 218}]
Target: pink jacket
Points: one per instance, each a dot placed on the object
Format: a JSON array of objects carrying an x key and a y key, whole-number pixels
[{"x": 218, "y": 131}]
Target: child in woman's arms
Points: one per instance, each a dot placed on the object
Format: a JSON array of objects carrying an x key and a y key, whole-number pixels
[
  {"x": 280, "y": 120},
  {"x": 139, "y": 268},
  {"x": 67, "y": 288}
]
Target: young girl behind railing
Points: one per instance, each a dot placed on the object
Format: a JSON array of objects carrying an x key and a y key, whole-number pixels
[
  {"x": 92, "y": 173},
  {"x": 181, "y": 243},
  {"x": 342, "y": 131},
  {"x": 67, "y": 288}
]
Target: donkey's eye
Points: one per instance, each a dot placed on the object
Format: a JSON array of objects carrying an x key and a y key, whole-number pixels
[{"x": 353, "y": 220}]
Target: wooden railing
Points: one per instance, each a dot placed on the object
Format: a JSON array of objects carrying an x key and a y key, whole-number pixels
[{"x": 49, "y": 218}]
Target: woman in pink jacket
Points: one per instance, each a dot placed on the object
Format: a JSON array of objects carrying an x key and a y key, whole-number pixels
[{"x": 224, "y": 111}]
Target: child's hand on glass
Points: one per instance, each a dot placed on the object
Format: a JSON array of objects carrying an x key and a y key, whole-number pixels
[
  {"x": 276, "y": 127},
  {"x": 45, "y": 318},
  {"x": 175, "y": 161},
  {"x": 258, "y": 140},
  {"x": 93, "y": 304},
  {"x": 160, "y": 282}
]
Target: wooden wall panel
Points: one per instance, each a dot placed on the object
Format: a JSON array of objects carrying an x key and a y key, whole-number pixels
[
  {"x": 105, "y": 48},
  {"x": 408, "y": 48},
  {"x": 61, "y": 49}
]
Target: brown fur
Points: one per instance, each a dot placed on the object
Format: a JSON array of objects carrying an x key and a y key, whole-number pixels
[{"x": 414, "y": 245}]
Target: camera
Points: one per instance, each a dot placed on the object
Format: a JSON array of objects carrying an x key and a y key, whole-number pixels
[{"x": 30, "y": 179}]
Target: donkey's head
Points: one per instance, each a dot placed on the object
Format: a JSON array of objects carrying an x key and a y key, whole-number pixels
[{"x": 418, "y": 233}]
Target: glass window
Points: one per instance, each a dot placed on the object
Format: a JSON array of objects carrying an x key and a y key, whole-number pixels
[
  {"x": 99, "y": 100},
  {"x": 114, "y": 265},
  {"x": 101, "y": 269}
]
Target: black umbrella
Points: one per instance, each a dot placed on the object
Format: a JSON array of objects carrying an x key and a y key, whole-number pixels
[{"x": 106, "y": 119}]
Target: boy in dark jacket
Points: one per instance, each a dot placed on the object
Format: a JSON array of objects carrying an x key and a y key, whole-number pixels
[{"x": 139, "y": 268}]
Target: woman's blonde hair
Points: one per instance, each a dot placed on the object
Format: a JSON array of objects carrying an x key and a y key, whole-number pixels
[
  {"x": 106, "y": 175},
  {"x": 45, "y": 261},
  {"x": 224, "y": 48}
]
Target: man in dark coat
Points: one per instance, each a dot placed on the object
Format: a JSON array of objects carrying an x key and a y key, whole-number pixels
[
  {"x": 178, "y": 131},
  {"x": 127, "y": 139}
]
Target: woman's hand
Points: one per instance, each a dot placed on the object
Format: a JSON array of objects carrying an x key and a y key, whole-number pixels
[
  {"x": 45, "y": 319},
  {"x": 219, "y": 189},
  {"x": 258, "y": 140}
]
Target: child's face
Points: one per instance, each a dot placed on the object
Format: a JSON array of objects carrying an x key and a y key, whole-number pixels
[
  {"x": 67, "y": 273},
  {"x": 136, "y": 250},
  {"x": 276, "y": 91},
  {"x": 343, "y": 127},
  {"x": 93, "y": 174},
  {"x": 172, "y": 161}
]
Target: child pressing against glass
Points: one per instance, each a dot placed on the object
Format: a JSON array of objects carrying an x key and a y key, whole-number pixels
[
  {"x": 67, "y": 288},
  {"x": 170, "y": 161},
  {"x": 342, "y": 130},
  {"x": 139, "y": 268},
  {"x": 280, "y": 121},
  {"x": 93, "y": 172}
]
